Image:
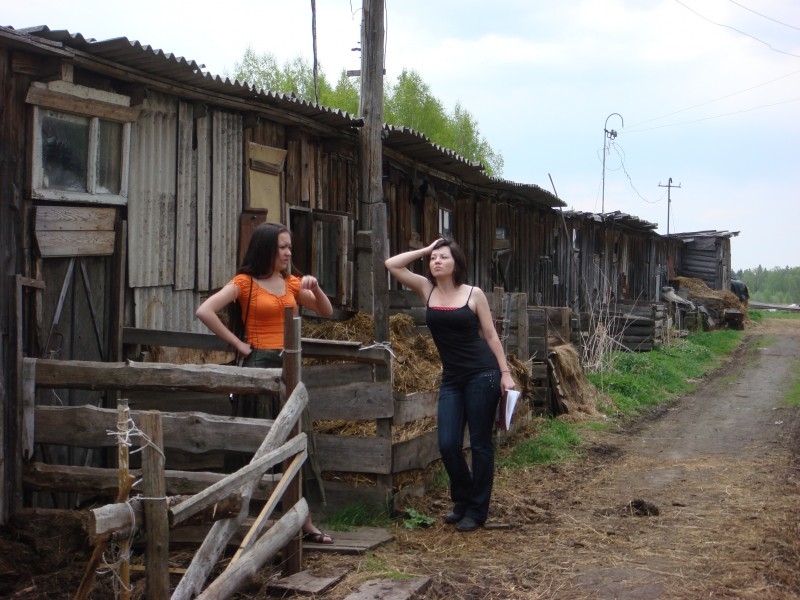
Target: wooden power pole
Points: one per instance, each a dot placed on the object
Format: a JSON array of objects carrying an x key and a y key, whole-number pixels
[{"x": 372, "y": 213}]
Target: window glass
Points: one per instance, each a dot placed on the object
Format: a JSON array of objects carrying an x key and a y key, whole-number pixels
[
  {"x": 109, "y": 158},
  {"x": 65, "y": 151},
  {"x": 445, "y": 228}
]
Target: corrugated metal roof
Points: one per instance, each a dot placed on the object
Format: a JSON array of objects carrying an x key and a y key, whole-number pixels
[
  {"x": 156, "y": 62},
  {"x": 416, "y": 145},
  {"x": 691, "y": 235},
  {"x": 616, "y": 217}
]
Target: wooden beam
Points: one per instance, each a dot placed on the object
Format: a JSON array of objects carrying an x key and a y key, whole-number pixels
[
  {"x": 90, "y": 375},
  {"x": 225, "y": 486},
  {"x": 96, "y": 481},
  {"x": 191, "y": 432},
  {"x": 82, "y": 106}
]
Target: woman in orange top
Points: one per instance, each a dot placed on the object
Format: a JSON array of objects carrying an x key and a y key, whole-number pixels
[{"x": 264, "y": 287}]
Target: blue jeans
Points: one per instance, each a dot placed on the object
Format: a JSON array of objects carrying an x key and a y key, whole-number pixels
[{"x": 472, "y": 402}]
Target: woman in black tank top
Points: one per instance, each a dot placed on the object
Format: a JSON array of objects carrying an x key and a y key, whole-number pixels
[{"x": 474, "y": 373}]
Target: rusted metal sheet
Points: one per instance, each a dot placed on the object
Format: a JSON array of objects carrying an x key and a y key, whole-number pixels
[{"x": 203, "y": 127}]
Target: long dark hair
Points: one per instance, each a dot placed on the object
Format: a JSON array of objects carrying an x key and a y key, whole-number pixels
[
  {"x": 459, "y": 258},
  {"x": 259, "y": 260}
]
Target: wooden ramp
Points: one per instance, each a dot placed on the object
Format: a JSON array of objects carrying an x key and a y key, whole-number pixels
[
  {"x": 344, "y": 542},
  {"x": 307, "y": 582},
  {"x": 390, "y": 589},
  {"x": 352, "y": 542}
]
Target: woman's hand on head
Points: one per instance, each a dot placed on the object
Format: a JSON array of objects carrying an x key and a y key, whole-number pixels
[{"x": 431, "y": 246}]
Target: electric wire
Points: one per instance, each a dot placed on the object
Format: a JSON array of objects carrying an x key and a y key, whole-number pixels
[
  {"x": 764, "y": 16},
  {"x": 770, "y": 46},
  {"x": 720, "y": 116},
  {"x": 725, "y": 97}
]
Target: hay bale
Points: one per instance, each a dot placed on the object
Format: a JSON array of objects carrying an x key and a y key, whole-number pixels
[{"x": 416, "y": 367}]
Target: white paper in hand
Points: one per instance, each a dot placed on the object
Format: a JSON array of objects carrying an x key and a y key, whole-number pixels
[{"x": 506, "y": 409}]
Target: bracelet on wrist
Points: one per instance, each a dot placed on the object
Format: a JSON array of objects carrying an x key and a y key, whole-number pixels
[{"x": 506, "y": 371}]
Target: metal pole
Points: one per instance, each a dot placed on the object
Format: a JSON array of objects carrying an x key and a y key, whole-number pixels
[{"x": 607, "y": 135}]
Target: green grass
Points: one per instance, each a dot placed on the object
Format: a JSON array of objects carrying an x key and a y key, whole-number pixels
[
  {"x": 556, "y": 442},
  {"x": 759, "y": 315},
  {"x": 359, "y": 515},
  {"x": 793, "y": 396},
  {"x": 637, "y": 380}
]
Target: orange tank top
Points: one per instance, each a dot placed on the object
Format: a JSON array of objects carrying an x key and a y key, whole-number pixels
[{"x": 263, "y": 311}]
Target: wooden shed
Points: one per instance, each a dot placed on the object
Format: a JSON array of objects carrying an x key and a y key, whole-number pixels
[{"x": 706, "y": 255}]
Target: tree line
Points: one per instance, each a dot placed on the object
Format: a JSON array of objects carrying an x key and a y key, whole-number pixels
[
  {"x": 773, "y": 286},
  {"x": 408, "y": 102}
]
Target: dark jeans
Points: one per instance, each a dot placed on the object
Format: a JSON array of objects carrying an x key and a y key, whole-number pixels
[{"x": 473, "y": 403}]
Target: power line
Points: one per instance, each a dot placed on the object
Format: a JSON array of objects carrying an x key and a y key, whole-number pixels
[
  {"x": 730, "y": 114},
  {"x": 764, "y": 16},
  {"x": 617, "y": 148},
  {"x": 717, "y": 99},
  {"x": 737, "y": 31}
]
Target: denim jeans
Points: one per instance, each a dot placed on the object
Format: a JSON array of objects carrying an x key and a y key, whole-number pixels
[{"x": 472, "y": 402}]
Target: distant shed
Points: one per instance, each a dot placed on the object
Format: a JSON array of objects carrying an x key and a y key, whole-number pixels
[{"x": 706, "y": 255}]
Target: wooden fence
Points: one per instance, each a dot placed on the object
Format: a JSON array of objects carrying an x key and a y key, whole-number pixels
[{"x": 89, "y": 426}]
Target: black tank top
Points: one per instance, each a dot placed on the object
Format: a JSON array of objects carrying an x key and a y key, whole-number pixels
[{"x": 456, "y": 333}]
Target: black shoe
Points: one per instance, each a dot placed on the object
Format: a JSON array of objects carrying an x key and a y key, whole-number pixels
[
  {"x": 468, "y": 524},
  {"x": 453, "y": 517}
]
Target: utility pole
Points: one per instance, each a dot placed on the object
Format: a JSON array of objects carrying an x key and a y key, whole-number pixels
[
  {"x": 669, "y": 187},
  {"x": 373, "y": 207},
  {"x": 608, "y": 135}
]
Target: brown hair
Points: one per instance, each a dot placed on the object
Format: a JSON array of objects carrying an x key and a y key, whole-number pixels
[{"x": 459, "y": 258}]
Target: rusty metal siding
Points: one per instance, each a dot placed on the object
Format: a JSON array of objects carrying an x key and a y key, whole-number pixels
[
  {"x": 226, "y": 194},
  {"x": 165, "y": 309},
  {"x": 151, "y": 203},
  {"x": 186, "y": 202}
]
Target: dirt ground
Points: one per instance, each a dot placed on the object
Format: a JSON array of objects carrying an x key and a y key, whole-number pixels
[{"x": 698, "y": 499}]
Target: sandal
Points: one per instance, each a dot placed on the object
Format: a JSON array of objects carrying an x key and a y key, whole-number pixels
[{"x": 317, "y": 537}]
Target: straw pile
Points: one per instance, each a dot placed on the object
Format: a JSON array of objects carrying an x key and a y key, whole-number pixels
[
  {"x": 578, "y": 398},
  {"x": 416, "y": 366}
]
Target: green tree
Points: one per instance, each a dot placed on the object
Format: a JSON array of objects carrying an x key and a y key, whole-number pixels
[
  {"x": 408, "y": 102},
  {"x": 780, "y": 285}
]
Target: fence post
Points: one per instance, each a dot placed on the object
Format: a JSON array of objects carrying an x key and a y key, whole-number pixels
[
  {"x": 155, "y": 507},
  {"x": 292, "y": 361}
]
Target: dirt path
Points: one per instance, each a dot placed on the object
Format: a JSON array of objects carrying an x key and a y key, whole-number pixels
[
  {"x": 702, "y": 500},
  {"x": 720, "y": 467}
]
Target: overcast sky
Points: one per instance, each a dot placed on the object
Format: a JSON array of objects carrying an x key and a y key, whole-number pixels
[{"x": 705, "y": 92}]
